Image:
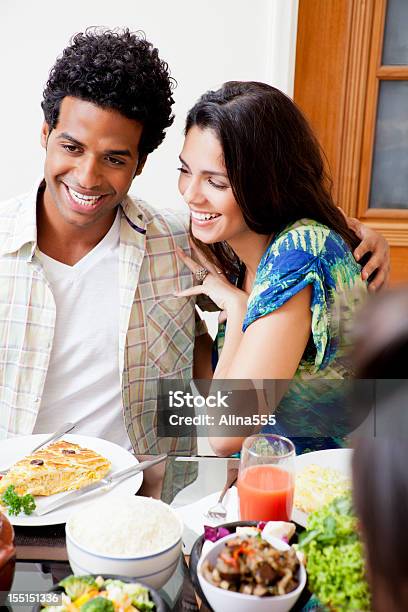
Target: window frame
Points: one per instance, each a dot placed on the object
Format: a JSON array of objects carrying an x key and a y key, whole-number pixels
[{"x": 392, "y": 222}]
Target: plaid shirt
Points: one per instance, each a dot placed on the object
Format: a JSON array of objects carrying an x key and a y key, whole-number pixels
[{"x": 156, "y": 329}]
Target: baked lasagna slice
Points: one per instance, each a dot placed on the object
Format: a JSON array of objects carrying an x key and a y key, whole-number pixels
[{"x": 61, "y": 466}]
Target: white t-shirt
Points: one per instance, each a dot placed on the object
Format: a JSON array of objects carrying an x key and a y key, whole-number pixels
[{"x": 83, "y": 382}]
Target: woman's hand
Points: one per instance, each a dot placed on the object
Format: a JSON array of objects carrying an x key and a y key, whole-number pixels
[
  {"x": 379, "y": 262},
  {"x": 218, "y": 288}
]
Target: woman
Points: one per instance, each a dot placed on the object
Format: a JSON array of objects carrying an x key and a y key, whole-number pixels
[{"x": 272, "y": 249}]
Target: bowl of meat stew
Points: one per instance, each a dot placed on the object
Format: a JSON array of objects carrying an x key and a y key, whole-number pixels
[{"x": 241, "y": 573}]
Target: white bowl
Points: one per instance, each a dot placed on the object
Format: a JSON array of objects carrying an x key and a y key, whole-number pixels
[
  {"x": 228, "y": 601},
  {"x": 153, "y": 569}
]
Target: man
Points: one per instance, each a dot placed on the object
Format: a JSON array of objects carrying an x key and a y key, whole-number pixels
[{"x": 88, "y": 321}]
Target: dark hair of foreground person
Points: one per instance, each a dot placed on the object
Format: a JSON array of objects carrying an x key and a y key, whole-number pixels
[{"x": 380, "y": 478}]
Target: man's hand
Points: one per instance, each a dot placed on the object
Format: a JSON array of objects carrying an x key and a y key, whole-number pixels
[{"x": 374, "y": 243}]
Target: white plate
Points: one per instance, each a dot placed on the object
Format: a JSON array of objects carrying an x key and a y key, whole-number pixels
[
  {"x": 335, "y": 458},
  {"x": 13, "y": 449}
]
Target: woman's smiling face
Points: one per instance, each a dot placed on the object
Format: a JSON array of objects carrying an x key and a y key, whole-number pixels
[{"x": 206, "y": 189}]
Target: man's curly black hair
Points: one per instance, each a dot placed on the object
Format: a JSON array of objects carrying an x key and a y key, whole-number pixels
[{"x": 117, "y": 70}]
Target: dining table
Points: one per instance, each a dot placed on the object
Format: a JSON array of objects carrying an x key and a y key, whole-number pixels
[{"x": 41, "y": 554}]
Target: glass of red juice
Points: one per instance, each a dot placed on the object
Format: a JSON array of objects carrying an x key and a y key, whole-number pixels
[{"x": 266, "y": 479}]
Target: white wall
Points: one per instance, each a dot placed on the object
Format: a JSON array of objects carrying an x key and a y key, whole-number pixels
[{"x": 205, "y": 42}]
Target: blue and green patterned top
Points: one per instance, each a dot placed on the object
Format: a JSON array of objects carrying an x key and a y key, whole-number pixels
[{"x": 309, "y": 253}]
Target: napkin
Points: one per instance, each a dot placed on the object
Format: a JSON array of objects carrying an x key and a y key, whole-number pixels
[{"x": 194, "y": 520}]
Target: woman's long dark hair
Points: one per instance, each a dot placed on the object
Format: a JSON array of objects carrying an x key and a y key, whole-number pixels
[{"x": 273, "y": 161}]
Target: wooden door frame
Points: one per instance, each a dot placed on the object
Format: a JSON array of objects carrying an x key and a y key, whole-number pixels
[{"x": 337, "y": 75}]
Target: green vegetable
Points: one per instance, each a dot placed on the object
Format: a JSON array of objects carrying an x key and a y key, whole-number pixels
[
  {"x": 138, "y": 594},
  {"x": 98, "y": 604},
  {"x": 75, "y": 586},
  {"x": 16, "y": 503},
  {"x": 111, "y": 583},
  {"x": 140, "y": 597},
  {"x": 335, "y": 559},
  {"x": 100, "y": 582}
]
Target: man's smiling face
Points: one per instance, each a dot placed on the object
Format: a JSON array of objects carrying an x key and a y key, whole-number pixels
[{"x": 92, "y": 157}]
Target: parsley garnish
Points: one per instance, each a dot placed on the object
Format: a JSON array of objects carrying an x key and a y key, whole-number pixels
[{"x": 16, "y": 503}]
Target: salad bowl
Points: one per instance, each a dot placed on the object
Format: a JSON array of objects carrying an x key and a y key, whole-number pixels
[{"x": 159, "y": 603}]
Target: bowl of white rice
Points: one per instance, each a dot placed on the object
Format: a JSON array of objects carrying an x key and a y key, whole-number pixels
[{"x": 137, "y": 536}]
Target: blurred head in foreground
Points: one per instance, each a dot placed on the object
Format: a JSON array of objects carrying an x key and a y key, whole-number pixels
[
  {"x": 380, "y": 477},
  {"x": 381, "y": 338}
]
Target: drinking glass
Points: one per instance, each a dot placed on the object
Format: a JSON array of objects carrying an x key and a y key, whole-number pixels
[{"x": 266, "y": 478}]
